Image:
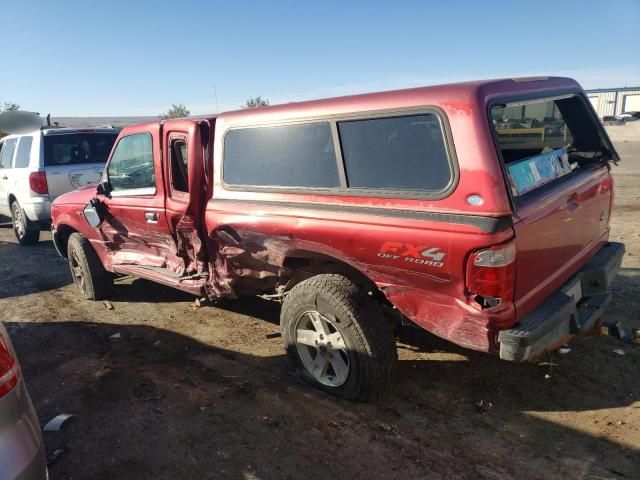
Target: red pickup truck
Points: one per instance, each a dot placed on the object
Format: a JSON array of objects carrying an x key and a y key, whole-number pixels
[{"x": 478, "y": 211}]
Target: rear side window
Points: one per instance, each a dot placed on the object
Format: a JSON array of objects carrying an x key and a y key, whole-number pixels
[
  {"x": 397, "y": 153},
  {"x": 24, "y": 152},
  {"x": 179, "y": 165},
  {"x": 76, "y": 148},
  {"x": 7, "y": 152},
  {"x": 300, "y": 155}
]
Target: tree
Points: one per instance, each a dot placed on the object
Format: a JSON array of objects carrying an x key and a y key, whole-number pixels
[
  {"x": 256, "y": 102},
  {"x": 176, "y": 111},
  {"x": 9, "y": 107}
]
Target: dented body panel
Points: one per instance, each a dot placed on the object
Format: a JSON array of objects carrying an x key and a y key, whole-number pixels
[
  {"x": 413, "y": 250},
  {"x": 430, "y": 296}
]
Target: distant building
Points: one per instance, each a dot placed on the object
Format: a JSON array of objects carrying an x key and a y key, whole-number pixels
[{"x": 615, "y": 101}]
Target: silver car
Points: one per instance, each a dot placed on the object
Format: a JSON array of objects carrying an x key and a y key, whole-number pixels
[{"x": 21, "y": 447}]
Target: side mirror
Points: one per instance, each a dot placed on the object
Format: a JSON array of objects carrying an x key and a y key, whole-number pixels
[
  {"x": 103, "y": 188},
  {"x": 92, "y": 213}
]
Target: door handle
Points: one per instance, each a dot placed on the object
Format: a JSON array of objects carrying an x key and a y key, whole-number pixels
[{"x": 151, "y": 217}]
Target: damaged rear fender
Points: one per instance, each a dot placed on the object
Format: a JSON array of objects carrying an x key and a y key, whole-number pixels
[{"x": 247, "y": 262}]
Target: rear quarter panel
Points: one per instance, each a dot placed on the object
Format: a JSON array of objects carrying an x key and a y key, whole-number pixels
[{"x": 381, "y": 247}]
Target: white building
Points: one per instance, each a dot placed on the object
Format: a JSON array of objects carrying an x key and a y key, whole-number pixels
[{"x": 615, "y": 101}]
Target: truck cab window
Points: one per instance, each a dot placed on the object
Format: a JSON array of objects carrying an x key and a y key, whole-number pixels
[
  {"x": 179, "y": 165},
  {"x": 131, "y": 166}
]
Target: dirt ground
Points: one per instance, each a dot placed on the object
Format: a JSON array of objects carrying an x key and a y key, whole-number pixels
[{"x": 209, "y": 394}]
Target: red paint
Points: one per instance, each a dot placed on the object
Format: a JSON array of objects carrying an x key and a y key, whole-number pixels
[
  {"x": 556, "y": 237},
  {"x": 420, "y": 265},
  {"x": 9, "y": 370}
]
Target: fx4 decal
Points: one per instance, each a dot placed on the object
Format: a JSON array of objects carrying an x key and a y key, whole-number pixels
[{"x": 420, "y": 254}]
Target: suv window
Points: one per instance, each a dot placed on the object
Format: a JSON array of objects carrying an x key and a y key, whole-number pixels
[
  {"x": 396, "y": 153},
  {"x": 75, "y": 148},
  {"x": 543, "y": 140},
  {"x": 300, "y": 155},
  {"x": 131, "y": 165},
  {"x": 24, "y": 152},
  {"x": 7, "y": 152}
]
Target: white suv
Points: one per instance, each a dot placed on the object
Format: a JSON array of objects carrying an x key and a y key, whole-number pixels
[{"x": 37, "y": 167}]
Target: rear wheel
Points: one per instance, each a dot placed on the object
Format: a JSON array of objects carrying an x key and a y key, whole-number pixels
[
  {"x": 90, "y": 277},
  {"x": 24, "y": 235},
  {"x": 338, "y": 338}
]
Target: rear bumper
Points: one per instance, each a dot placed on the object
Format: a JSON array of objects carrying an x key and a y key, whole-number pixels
[
  {"x": 37, "y": 210},
  {"x": 21, "y": 447},
  {"x": 561, "y": 315}
]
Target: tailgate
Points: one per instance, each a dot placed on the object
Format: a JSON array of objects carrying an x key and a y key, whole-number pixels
[
  {"x": 555, "y": 155},
  {"x": 558, "y": 233}
]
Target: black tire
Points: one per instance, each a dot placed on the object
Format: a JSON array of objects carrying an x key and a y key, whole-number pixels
[
  {"x": 24, "y": 234},
  {"x": 367, "y": 336},
  {"x": 91, "y": 279}
]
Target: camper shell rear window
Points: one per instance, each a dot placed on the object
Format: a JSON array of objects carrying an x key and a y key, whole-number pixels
[{"x": 543, "y": 140}]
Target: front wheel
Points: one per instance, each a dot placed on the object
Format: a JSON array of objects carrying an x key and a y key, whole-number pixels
[
  {"x": 90, "y": 277},
  {"x": 338, "y": 338},
  {"x": 24, "y": 235}
]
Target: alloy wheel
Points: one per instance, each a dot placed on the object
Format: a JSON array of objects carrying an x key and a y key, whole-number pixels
[
  {"x": 77, "y": 272},
  {"x": 18, "y": 222},
  {"x": 322, "y": 349}
]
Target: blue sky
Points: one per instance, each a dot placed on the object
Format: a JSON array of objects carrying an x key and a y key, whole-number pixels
[{"x": 85, "y": 58}]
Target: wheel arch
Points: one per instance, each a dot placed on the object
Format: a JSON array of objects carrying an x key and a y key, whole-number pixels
[
  {"x": 61, "y": 238},
  {"x": 11, "y": 198},
  {"x": 304, "y": 264},
  {"x": 307, "y": 263}
]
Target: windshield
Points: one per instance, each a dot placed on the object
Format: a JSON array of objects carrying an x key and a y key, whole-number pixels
[
  {"x": 76, "y": 148},
  {"x": 542, "y": 140}
]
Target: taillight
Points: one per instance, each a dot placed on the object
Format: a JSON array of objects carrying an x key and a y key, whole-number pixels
[
  {"x": 9, "y": 371},
  {"x": 38, "y": 182},
  {"x": 491, "y": 273}
]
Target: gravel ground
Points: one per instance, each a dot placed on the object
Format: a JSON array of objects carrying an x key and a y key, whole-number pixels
[{"x": 208, "y": 393}]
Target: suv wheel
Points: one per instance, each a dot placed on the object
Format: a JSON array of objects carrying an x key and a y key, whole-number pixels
[
  {"x": 24, "y": 235},
  {"x": 338, "y": 338},
  {"x": 90, "y": 277}
]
